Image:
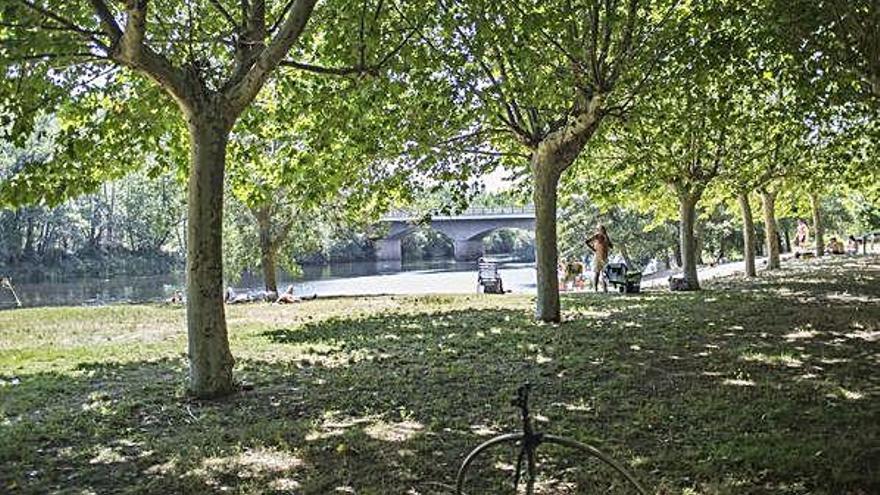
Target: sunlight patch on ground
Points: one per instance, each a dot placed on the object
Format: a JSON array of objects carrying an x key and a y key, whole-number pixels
[
  {"x": 284, "y": 485},
  {"x": 869, "y": 336},
  {"x": 107, "y": 455},
  {"x": 834, "y": 360},
  {"x": 334, "y": 424},
  {"x": 483, "y": 430},
  {"x": 583, "y": 314},
  {"x": 775, "y": 359},
  {"x": 542, "y": 359},
  {"x": 162, "y": 468},
  {"x": 800, "y": 334},
  {"x": 251, "y": 463},
  {"x": 738, "y": 382},
  {"x": 394, "y": 432},
  {"x": 847, "y": 394},
  {"x": 847, "y": 297}
]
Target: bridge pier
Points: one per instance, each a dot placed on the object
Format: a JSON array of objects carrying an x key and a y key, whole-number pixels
[
  {"x": 467, "y": 249},
  {"x": 388, "y": 250}
]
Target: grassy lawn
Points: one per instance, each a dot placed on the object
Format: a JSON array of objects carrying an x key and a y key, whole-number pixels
[{"x": 767, "y": 386}]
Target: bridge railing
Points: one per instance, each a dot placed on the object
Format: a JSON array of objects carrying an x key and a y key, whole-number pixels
[{"x": 478, "y": 211}]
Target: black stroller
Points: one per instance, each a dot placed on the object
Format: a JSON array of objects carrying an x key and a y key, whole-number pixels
[{"x": 624, "y": 279}]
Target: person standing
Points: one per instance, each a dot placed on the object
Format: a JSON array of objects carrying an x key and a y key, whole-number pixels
[
  {"x": 600, "y": 243},
  {"x": 801, "y": 239}
]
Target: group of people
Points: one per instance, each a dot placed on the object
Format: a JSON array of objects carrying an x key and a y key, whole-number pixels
[
  {"x": 233, "y": 297},
  {"x": 834, "y": 246},
  {"x": 286, "y": 297}
]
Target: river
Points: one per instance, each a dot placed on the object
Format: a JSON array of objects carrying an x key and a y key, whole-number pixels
[{"x": 335, "y": 279}]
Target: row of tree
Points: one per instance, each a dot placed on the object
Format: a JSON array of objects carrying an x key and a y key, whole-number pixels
[{"x": 349, "y": 105}]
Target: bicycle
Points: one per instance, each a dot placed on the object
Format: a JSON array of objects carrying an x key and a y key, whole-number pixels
[{"x": 530, "y": 440}]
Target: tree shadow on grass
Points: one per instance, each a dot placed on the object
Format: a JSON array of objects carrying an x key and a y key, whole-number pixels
[{"x": 724, "y": 391}]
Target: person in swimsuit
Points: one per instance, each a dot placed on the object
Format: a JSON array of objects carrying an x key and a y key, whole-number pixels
[{"x": 600, "y": 243}]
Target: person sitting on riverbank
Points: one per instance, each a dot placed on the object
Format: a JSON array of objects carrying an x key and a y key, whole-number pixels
[
  {"x": 852, "y": 245},
  {"x": 835, "y": 246},
  {"x": 233, "y": 298},
  {"x": 176, "y": 298},
  {"x": 288, "y": 297}
]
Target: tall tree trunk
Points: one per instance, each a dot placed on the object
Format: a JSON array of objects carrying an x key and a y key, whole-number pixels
[
  {"x": 687, "y": 216},
  {"x": 771, "y": 237},
  {"x": 699, "y": 234},
  {"x": 546, "y": 253},
  {"x": 818, "y": 228},
  {"x": 748, "y": 234},
  {"x": 267, "y": 248},
  {"x": 621, "y": 246},
  {"x": 676, "y": 250},
  {"x": 29, "y": 235},
  {"x": 210, "y": 359},
  {"x": 787, "y": 238}
]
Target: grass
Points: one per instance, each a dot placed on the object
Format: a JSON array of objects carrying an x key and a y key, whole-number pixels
[{"x": 766, "y": 386}]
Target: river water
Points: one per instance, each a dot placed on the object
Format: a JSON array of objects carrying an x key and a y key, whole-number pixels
[{"x": 335, "y": 279}]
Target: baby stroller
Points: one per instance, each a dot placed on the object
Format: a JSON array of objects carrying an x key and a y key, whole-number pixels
[{"x": 622, "y": 278}]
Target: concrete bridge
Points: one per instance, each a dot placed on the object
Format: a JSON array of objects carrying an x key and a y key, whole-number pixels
[{"x": 466, "y": 229}]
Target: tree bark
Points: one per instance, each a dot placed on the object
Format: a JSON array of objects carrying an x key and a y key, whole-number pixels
[
  {"x": 748, "y": 234},
  {"x": 267, "y": 249},
  {"x": 699, "y": 234},
  {"x": 545, "y": 179},
  {"x": 771, "y": 236},
  {"x": 687, "y": 217},
  {"x": 818, "y": 228},
  {"x": 209, "y": 356},
  {"x": 676, "y": 250}
]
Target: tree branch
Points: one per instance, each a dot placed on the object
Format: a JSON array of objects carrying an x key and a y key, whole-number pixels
[
  {"x": 131, "y": 51},
  {"x": 335, "y": 71},
  {"x": 108, "y": 22},
  {"x": 242, "y": 92},
  {"x": 225, "y": 13},
  {"x": 64, "y": 22}
]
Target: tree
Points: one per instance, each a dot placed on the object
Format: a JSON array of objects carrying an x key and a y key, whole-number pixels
[
  {"x": 539, "y": 78},
  {"x": 212, "y": 61},
  {"x": 836, "y": 42}
]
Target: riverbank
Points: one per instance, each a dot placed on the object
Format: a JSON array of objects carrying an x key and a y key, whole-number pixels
[
  {"x": 338, "y": 280},
  {"x": 763, "y": 386}
]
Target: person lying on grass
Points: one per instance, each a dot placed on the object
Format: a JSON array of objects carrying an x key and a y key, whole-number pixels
[{"x": 288, "y": 297}]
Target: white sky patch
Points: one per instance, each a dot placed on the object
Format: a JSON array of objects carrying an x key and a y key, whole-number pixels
[{"x": 497, "y": 180}]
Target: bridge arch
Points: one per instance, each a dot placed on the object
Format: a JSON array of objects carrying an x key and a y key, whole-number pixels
[{"x": 467, "y": 230}]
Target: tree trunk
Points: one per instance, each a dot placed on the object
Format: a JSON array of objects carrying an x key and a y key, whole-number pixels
[
  {"x": 771, "y": 237},
  {"x": 818, "y": 228},
  {"x": 787, "y": 238},
  {"x": 748, "y": 234},
  {"x": 29, "y": 236},
  {"x": 699, "y": 234},
  {"x": 623, "y": 252},
  {"x": 687, "y": 218},
  {"x": 209, "y": 357},
  {"x": 546, "y": 253},
  {"x": 267, "y": 249},
  {"x": 676, "y": 250}
]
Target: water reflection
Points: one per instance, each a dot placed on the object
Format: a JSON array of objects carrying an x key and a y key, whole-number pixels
[
  {"x": 91, "y": 291},
  {"x": 354, "y": 278}
]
